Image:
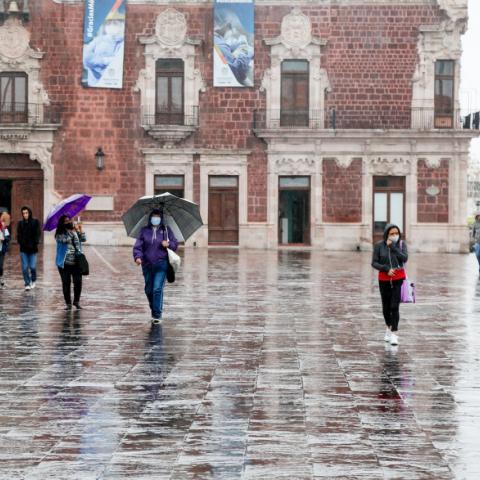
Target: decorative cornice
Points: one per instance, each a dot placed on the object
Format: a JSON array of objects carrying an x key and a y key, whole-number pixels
[{"x": 318, "y": 3}]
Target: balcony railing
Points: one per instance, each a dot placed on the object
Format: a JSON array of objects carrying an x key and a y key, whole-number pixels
[
  {"x": 29, "y": 114},
  {"x": 333, "y": 118},
  {"x": 188, "y": 117}
]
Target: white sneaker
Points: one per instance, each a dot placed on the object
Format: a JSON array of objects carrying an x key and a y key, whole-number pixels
[
  {"x": 32, "y": 285},
  {"x": 388, "y": 335},
  {"x": 393, "y": 339},
  {"x": 28, "y": 287}
]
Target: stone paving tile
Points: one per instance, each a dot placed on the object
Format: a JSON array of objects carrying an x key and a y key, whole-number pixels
[{"x": 269, "y": 365}]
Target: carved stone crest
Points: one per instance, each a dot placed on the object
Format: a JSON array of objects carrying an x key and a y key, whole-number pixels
[
  {"x": 296, "y": 29},
  {"x": 433, "y": 162},
  {"x": 14, "y": 39},
  {"x": 171, "y": 27},
  {"x": 432, "y": 190},
  {"x": 343, "y": 161}
]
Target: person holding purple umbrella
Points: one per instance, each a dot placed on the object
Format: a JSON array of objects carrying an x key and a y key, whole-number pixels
[
  {"x": 69, "y": 238},
  {"x": 150, "y": 251}
]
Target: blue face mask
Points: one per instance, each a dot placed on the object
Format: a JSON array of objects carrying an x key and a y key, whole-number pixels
[{"x": 155, "y": 221}]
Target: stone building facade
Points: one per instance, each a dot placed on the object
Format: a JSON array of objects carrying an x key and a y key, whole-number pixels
[{"x": 353, "y": 121}]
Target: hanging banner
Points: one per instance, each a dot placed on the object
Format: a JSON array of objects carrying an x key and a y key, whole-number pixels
[
  {"x": 103, "y": 43},
  {"x": 233, "y": 47}
]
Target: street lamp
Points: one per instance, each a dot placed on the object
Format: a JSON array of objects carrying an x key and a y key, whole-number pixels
[{"x": 100, "y": 159}]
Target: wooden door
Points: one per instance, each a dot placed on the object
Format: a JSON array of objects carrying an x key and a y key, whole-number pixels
[
  {"x": 26, "y": 179},
  {"x": 223, "y": 210}
]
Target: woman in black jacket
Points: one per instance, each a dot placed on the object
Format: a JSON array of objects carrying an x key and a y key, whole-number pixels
[{"x": 389, "y": 257}]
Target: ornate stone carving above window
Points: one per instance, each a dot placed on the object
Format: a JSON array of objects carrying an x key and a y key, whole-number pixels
[
  {"x": 295, "y": 43},
  {"x": 389, "y": 166},
  {"x": 170, "y": 41},
  {"x": 455, "y": 9},
  {"x": 293, "y": 165}
]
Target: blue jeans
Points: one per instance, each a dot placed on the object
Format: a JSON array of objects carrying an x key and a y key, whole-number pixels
[
  {"x": 155, "y": 276},
  {"x": 477, "y": 252},
  {"x": 29, "y": 267}
]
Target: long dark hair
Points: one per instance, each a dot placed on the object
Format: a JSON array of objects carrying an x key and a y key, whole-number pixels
[{"x": 61, "y": 229}]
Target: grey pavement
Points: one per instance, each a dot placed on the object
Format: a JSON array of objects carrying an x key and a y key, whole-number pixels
[{"x": 269, "y": 365}]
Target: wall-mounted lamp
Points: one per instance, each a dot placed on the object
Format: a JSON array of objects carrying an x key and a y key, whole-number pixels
[{"x": 100, "y": 159}]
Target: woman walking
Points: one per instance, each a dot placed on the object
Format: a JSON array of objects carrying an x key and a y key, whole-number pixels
[
  {"x": 150, "y": 251},
  {"x": 389, "y": 257},
  {"x": 4, "y": 241},
  {"x": 69, "y": 239}
]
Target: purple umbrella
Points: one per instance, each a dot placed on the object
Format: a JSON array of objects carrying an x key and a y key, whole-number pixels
[{"x": 70, "y": 207}]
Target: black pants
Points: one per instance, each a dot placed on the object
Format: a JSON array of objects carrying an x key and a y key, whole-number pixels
[
  {"x": 67, "y": 273},
  {"x": 390, "y": 293}
]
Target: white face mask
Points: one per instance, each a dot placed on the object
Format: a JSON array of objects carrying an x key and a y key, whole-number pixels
[{"x": 394, "y": 238}]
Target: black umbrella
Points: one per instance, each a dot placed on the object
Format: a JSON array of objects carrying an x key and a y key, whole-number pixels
[{"x": 181, "y": 215}]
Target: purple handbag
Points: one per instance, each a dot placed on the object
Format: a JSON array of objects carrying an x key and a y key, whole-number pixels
[{"x": 408, "y": 292}]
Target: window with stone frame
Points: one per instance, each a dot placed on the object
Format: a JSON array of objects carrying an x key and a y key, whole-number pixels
[
  {"x": 13, "y": 97},
  {"x": 174, "y": 184},
  {"x": 444, "y": 93},
  {"x": 169, "y": 108},
  {"x": 294, "y": 93}
]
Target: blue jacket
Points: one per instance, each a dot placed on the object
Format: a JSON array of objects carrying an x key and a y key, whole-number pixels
[{"x": 62, "y": 247}]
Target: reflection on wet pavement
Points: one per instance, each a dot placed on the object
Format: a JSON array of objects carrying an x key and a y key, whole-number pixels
[{"x": 269, "y": 365}]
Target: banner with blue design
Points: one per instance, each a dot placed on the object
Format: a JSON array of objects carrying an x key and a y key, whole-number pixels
[
  {"x": 103, "y": 43},
  {"x": 233, "y": 43}
]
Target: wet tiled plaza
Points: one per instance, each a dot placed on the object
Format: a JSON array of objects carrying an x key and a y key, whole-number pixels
[{"x": 268, "y": 365}]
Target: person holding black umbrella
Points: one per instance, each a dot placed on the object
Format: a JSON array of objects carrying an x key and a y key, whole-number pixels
[{"x": 150, "y": 251}]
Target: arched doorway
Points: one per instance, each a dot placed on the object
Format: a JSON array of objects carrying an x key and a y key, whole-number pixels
[{"x": 21, "y": 183}]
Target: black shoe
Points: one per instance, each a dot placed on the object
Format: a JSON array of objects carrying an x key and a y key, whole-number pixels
[
  {"x": 68, "y": 306},
  {"x": 77, "y": 305}
]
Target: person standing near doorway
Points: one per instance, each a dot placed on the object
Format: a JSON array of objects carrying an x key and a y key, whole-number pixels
[
  {"x": 389, "y": 257},
  {"x": 4, "y": 241},
  {"x": 28, "y": 238},
  {"x": 476, "y": 237}
]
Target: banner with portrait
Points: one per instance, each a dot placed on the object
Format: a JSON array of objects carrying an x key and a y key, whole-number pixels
[
  {"x": 103, "y": 43},
  {"x": 233, "y": 43}
]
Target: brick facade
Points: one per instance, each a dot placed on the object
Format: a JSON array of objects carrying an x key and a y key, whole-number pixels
[
  {"x": 432, "y": 208},
  {"x": 366, "y": 64},
  {"x": 361, "y": 84},
  {"x": 342, "y": 193}
]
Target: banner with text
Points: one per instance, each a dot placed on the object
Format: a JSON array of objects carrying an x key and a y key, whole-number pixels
[
  {"x": 103, "y": 43},
  {"x": 233, "y": 43}
]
